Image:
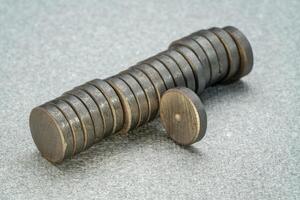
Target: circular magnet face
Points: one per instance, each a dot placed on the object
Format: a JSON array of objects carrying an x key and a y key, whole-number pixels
[
  {"x": 167, "y": 77},
  {"x": 103, "y": 106},
  {"x": 196, "y": 66},
  {"x": 149, "y": 90},
  {"x": 129, "y": 103},
  {"x": 220, "y": 50},
  {"x": 114, "y": 102},
  {"x": 51, "y": 133},
  {"x": 184, "y": 66},
  {"x": 139, "y": 96},
  {"x": 232, "y": 52},
  {"x": 212, "y": 57},
  {"x": 84, "y": 117},
  {"x": 245, "y": 51},
  {"x": 93, "y": 110},
  {"x": 183, "y": 116},
  {"x": 74, "y": 123},
  {"x": 155, "y": 78},
  {"x": 173, "y": 68}
]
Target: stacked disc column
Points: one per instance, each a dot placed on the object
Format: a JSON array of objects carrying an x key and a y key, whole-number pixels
[{"x": 84, "y": 115}]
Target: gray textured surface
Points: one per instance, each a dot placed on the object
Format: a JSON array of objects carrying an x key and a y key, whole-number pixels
[{"x": 252, "y": 146}]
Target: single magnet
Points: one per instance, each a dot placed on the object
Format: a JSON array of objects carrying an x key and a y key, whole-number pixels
[
  {"x": 183, "y": 115},
  {"x": 51, "y": 133}
]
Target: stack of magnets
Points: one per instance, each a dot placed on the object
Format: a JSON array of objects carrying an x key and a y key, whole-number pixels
[{"x": 84, "y": 115}]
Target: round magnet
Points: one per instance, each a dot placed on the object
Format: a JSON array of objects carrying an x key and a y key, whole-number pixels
[
  {"x": 103, "y": 106},
  {"x": 114, "y": 103},
  {"x": 196, "y": 66},
  {"x": 220, "y": 50},
  {"x": 149, "y": 90},
  {"x": 74, "y": 122},
  {"x": 197, "y": 49},
  {"x": 173, "y": 68},
  {"x": 245, "y": 51},
  {"x": 155, "y": 78},
  {"x": 140, "y": 96},
  {"x": 184, "y": 66},
  {"x": 163, "y": 71},
  {"x": 51, "y": 133},
  {"x": 93, "y": 110},
  {"x": 84, "y": 117},
  {"x": 212, "y": 57},
  {"x": 232, "y": 53},
  {"x": 129, "y": 103},
  {"x": 183, "y": 115}
]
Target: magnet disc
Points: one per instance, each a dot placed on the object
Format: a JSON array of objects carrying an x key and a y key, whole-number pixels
[
  {"x": 183, "y": 115},
  {"x": 51, "y": 133},
  {"x": 245, "y": 51}
]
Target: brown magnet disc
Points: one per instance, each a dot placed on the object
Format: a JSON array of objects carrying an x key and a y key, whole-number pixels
[
  {"x": 155, "y": 78},
  {"x": 245, "y": 51},
  {"x": 212, "y": 57},
  {"x": 139, "y": 95},
  {"x": 196, "y": 66},
  {"x": 149, "y": 90},
  {"x": 220, "y": 50},
  {"x": 93, "y": 110},
  {"x": 197, "y": 49},
  {"x": 114, "y": 102},
  {"x": 103, "y": 106},
  {"x": 74, "y": 122},
  {"x": 184, "y": 66},
  {"x": 183, "y": 115},
  {"x": 232, "y": 52},
  {"x": 84, "y": 117},
  {"x": 51, "y": 133},
  {"x": 173, "y": 68},
  {"x": 129, "y": 103},
  {"x": 163, "y": 71}
]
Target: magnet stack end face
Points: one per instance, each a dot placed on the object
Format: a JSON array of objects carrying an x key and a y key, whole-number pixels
[
  {"x": 47, "y": 133},
  {"x": 183, "y": 116},
  {"x": 245, "y": 52}
]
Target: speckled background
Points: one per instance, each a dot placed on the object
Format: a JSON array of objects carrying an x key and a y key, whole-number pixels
[{"x": 252, "y": 146}]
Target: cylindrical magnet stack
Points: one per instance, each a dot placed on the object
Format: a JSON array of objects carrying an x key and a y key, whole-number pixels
[{"x": 84, "y": 115}]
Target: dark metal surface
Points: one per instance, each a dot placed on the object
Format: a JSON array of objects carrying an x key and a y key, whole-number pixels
[
  {"x": 173, "y": 68},
  {"x": 93, "y": 111},
  {"x": 155, "y": 78},
  {"x": 197, "y": 67},
  {"x": 220, "y": 50},
  {"x": 232, "y": 52},
  {"x": 245, "y": 51},
  {"x": 74, "y": 122},
  {"x": 84, "y": 117},
  {"x": 167, "y": 77},
  {"x": 114, "y": 103},
  {"x": 197, "y": 49},
  {"x": 212, "y": 57},
  {"x": 149, "y": 90},
  {"x": 183, "y": 115},
  {"x": 129, "y": 103},
  {"x": 140, "y": 96},
  {"x": 103, "y": 106},
  {"x": 51, "y": 133}
]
